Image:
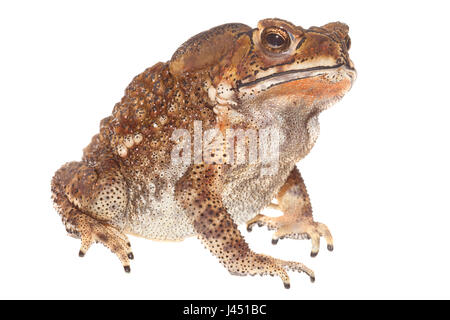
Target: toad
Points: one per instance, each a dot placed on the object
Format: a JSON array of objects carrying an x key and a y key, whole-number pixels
[{"x": 141, "y": 175}]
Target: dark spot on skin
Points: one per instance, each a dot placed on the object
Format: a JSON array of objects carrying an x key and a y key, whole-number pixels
[{"x": 103, "y": 237}]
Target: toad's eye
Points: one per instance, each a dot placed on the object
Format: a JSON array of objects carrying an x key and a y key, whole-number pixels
[
  {"x": 275, "y": 39},
  {"x": 348, "y": 42}
]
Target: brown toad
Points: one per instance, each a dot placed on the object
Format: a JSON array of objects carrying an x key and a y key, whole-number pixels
[{"x": 231, "y": 78}]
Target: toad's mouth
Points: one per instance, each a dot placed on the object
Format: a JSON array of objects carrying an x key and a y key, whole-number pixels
[{"x": 332, "y": 73}]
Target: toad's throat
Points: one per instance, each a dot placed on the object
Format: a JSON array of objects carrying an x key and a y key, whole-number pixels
[{"x": 278, "y": 78}]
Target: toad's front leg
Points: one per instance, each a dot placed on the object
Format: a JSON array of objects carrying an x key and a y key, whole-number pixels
[
  {"x": 297, "y": 221},
  {"x": 198, "y": 192}
]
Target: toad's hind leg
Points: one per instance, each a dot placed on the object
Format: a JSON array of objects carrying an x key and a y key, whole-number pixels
[
  {"x": 297, "y": 221},
  {"x": 89, "y": 201}
]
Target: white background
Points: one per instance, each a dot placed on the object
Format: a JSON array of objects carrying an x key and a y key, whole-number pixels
[{"x": 378, "y": 175}]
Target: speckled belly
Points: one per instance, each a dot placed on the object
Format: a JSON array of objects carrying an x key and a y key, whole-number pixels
[
  {"x": 160, "y": 218},
  {"x": 156, "y": 215}
]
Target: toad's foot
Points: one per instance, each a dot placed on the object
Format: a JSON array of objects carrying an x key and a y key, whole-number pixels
[
  {"x": 92, "y": 231},
  {"x": 260, "y": 264},
  {"x": 303, "y": 229}
]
